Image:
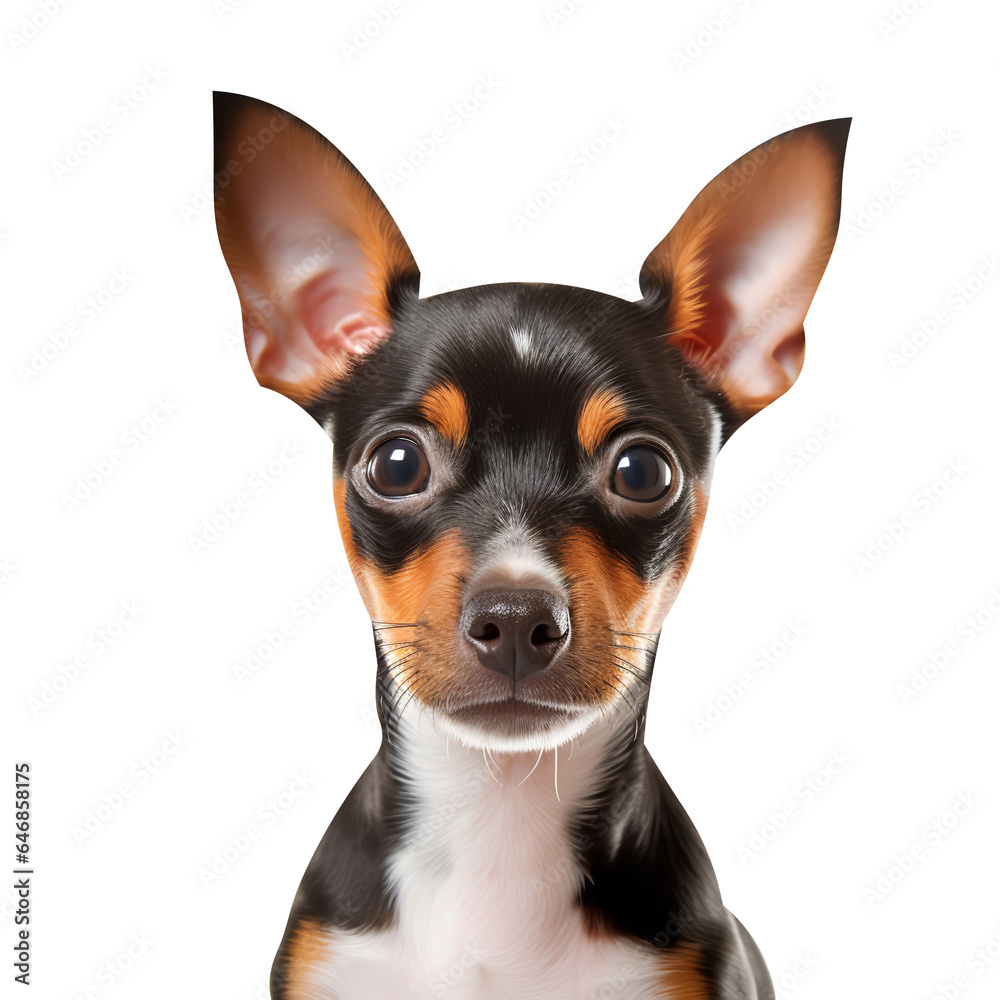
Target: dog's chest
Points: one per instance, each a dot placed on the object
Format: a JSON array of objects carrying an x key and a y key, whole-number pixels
[{"x": 485, "y": 896}]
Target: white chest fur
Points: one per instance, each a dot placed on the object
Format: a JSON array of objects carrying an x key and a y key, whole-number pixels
[{"x": 485, "y": 888}]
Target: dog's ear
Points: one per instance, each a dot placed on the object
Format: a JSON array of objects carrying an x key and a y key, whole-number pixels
[
  {"x": 742, "y": 264},
  {"x": 316, "y": 258}
]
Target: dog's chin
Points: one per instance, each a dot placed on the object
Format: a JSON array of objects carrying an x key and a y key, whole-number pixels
[{"x": 514, "y": 725}]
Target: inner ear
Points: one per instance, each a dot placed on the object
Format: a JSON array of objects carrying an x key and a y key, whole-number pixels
[
  {"x": 317, "y": 260},
  {"x": 742, "y": 264}
]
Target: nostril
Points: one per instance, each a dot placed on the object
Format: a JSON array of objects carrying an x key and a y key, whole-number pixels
[
  {"x": 544, "y": 633},
  {"x": 486, "y": 632}
]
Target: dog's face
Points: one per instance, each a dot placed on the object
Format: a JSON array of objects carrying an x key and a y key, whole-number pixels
[
  {"x": 521, "y": 470},
  {"x": 521, "y": 477}
]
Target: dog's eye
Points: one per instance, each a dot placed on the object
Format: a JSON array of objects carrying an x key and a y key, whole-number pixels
[
  {"x": 642, "y": 473},
  {"x": 398, "y": 468}
]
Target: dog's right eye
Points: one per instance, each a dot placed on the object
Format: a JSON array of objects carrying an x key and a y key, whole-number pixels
[{"x": 398, "y": 468}]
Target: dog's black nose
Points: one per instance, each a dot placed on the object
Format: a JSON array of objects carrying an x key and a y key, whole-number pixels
[{"x": 516, "y": 632}]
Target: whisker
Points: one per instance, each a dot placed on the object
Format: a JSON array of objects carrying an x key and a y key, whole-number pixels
[
  {"x": 532, "y": 771},
  {"x": 555, "y": 776},
  {"x": 396, "y": 664},
  {"x": 394, "y": 645},
  {"x": 403, "y": 684},
  {"x": 652, "y": 636},
  {"x": 412, "y": 689},
  {"x": 638, "y": 649},
  {"x": 614, "y": 685},
  {"x": 490, "y": 769},
  {"x": 629, "y": 669}
]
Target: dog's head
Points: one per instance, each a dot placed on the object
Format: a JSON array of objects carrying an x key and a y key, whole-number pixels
[{"x": 521, "y": 470}]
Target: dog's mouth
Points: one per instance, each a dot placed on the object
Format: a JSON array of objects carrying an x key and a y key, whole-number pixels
[
  {"x": 530, "y": 703},
  {"x": 515, "y": 723},
  {"x": 512, "y": 710},
  {"x": 536, "y": 712}
]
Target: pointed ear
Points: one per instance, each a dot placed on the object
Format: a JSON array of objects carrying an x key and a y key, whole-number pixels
[
  {"x": 316, "y": 258},
  {"x": 741, "y": 266}
]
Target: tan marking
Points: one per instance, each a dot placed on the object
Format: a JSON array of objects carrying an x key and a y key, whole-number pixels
[
  {"x": 444, "y": 406},
  {"x": 600, "y": 413},
  {"x": 605, "y": 594},
  {"x": 308, "y": 950},
  {"x": 424, "y": 597},
  {"x": 683, "y": 978}
]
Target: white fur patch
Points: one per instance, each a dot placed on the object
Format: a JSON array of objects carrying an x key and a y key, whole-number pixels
[
  {"x": 513, "y": 558},
  {"x": 524, "y": 346},
  {"x": 486, "y": 886}
]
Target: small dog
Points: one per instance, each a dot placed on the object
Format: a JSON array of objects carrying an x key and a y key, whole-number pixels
[{"x": 521, "y": 474}]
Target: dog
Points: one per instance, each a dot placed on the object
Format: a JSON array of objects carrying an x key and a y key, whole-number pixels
[{"x": 521, "y": 473}]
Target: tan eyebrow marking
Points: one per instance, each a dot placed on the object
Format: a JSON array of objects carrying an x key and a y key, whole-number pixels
[
  {"x": 600, "y": 413},
  {"x": 444, "y": 407}
]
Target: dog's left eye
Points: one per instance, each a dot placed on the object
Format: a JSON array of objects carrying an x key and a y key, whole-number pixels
[
  {"x": 642, "y": 473},
  {"x": 398, "y": 468}
]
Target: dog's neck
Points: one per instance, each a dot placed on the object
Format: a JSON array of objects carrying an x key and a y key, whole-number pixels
[{"x": 523, "y": 820}]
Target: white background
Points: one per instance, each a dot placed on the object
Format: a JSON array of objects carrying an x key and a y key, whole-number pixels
[{"x": 919, "y": 221}]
